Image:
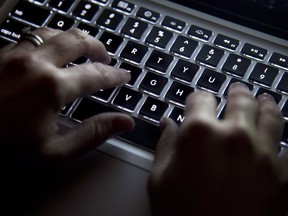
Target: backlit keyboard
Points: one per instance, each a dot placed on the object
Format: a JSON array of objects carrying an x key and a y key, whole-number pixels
[{"x": 168, "y": 58}]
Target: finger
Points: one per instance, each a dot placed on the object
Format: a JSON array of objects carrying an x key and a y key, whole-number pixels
[
  {"x": 7, "y": 47},
  {"x": 200, "y": 107},
  {"x": 87, "y": 136},
  {"x": 270, "y": 121},
  {"x": 241, "y": 106},
  {"x": 70, "y": 45},
  {"x": 165, "y": 146},
  {"x": 45, "y": 33},
  {"x": 89, "y": 78}
]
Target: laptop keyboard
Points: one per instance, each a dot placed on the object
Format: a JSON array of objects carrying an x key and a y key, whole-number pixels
[{"x": 168, "y": 58}]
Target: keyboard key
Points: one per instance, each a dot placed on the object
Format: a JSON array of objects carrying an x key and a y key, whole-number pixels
[
  {"x": 199, "y": 33},
  {"x": 63, "y": 5},
  {"x": 173, "y": 24},
  {"x": 226, "y": 42},
  {"x": 111, "y": 41},
  {"x": 209, "y": 55},
  {"x": 61, "y": 22},
  {"x": 11, "y": 29},
  {"x": 101, "y": 1},
  {"x": 178, "y": 92},
  {"x": 233, "y": 80},
  {"x": 134, "y": 28},
  {"x": 110, "y": 19},
  {"x": 153, "y": 83},
  {"x": 276, "y": 96},
  {"x": 159, "y": 61},
  {"x": 159, "y": 37},
  {"x": 211, "y": 80},
  {"x": 263, "y": 74},
  {"x": 279, "y": 60},
  {"x": 65, "y": 109},
  {"x": 85, "y": 10},
  {"x": 127, "y": 99},
  {"x": 285, "y": 133},
  {"x": 153, "y": 109},
  {"x": 184, "y": 46},
  {"x": 88, "y": 29},
  {"x": 4, "y": 42},
  {"x": 144, "y": 133},
  {"x": 149, "y": 15},
  {"x": 285, "y": 109},
  {"x": 177, "y": 115},
  {"x": 104, "y": 94},
  {"x": 253, "y": 51},
  {"x": 23, "y": 11},
  {"x": 133, "y": 70},
  {"x": 134, "y": 52},
  {"x": 283, "y": 84},
  {"x": 236, "y": 65},
  {"x": 184, "y": 70},
  {"x": 123, "y": 6}
]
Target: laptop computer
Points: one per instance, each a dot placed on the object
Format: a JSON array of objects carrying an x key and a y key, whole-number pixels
[{"x": 171, "y": 48}]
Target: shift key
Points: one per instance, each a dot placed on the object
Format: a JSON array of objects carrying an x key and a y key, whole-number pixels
[{"x": 30, "y": 13}]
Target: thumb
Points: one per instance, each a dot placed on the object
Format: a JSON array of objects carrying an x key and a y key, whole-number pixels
[
  {"x": 87, "y": 136},
  {"x": 165, "y": 146}
]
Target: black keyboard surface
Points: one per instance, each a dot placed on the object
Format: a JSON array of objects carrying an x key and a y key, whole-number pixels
[{"x": 168, "y": 58}]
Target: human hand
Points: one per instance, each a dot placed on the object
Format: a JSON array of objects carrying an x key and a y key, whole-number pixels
[
  {"x": 211, "y": 167},
  {"x": 35, "y": 84}
]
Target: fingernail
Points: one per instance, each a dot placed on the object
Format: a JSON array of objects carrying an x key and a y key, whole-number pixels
[
  {"x": 265, "y": 97},
  {"x": 238, "y": 84}
]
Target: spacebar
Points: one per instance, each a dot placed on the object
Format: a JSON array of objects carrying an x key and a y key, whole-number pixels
[{"x": 144, "y": 134}]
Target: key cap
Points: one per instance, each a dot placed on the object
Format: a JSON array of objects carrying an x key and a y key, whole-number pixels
[
  {"x": 285, "y": 109},
  {"x": 134, "y": 52},
  {"x": 199, "y": 33},
  {"x": 123, "y": 6},
  {"x": 63, "y": 5},
  {"x": 226, "y": 42},
  {"x": 88, "y": 29},
  {"x": 159, "y": 61},
  {"x": 236, "y": 65},
  {"x": 263, "y": 74},
  {"x": 144, "y": 133},
  {"x": 127, "y": 99},
  {"x": 85, "y": 10},
  {"x": 285, "y": 133},
  {"x": 276, "y": 96},
  {"x": 149, "y": 15},
  {"x": 134, "y": 28},
  {"x": 153, "y": 83},
  {"x": 4, "y": 42},
  {"x": 283, "y": 84},
  {"x": 177, "y": 115},
  {"x": 279, "y": 60},
  {"x": 102, "y": 2},
  {"x": 23, "y": 11},
  {"x": 133, "y": 70},
  {"x": 233, "y": 80},
  {"x": 104, "y": 94},
  {"x": 153, "y": 109},
  {"x": 209, "y": 55},
  {"x": 110, "y": 19},
  {"x": 61, "y": 22},
  {"x": 184, "y": 70},
  {"x": 173, "y": 24},
  {"x": 211, "y": 80},
  {"x": 178, "y": 92},
  {"x": 184, "y": 46},
  {"x": 12, "y": 29},
  {"x": 159, "y": 37},
  {"x": 111, "y": 41},
  {"x": 253, "y": 51}
]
